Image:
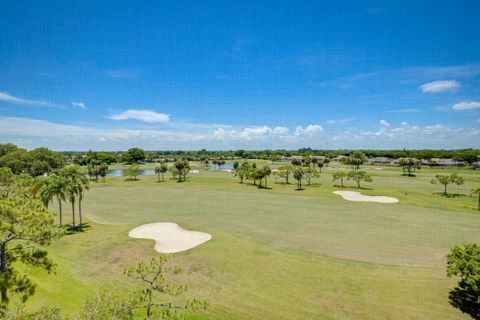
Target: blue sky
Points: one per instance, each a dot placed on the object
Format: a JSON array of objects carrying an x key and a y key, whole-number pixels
[{"x": 79, "y": 75}]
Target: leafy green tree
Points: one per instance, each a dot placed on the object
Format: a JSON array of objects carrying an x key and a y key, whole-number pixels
[
  {"x": 296, "y": 162},
  {"x": 298, "y": 175},
  {"x": 131, "y": 171},
  {"x": 339, "y": 175},
  {"x": 477, "y": 193},
  {"x": 242, "y": 170},
  {"x": 320, "y": 165},
  {"x": 285, "y": 172},
  {"x": 310, "y": 173},
  {"x": 134, "y": 155},
  {"x": 355, "y": 160},
  {"x": 409, "y": 166},
  {"x": 180, "y": 169},
  {"x": 235, "y": 165},
  {"x": 107, "y": 158},
  {"x": 161, "y": 169},
  {"x": 26, "y": 228},
  {"x": 464, "y": 262},
  {"x": 359, "y": 176},
  {"x": 445, "y": 180},
  {"x": 153, "y": 276},
  {"x": 19, "y": 161}
]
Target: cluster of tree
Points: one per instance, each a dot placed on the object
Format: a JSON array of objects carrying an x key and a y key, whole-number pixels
[
  {"x": 36, "y": 162},
  {"x": 84, "y": 159},
  {"x": 409, "y": 166},
  {"x": 355, "y": 160},
  {"x": 247, "y": 171},
  {"x": 96, "y": 168},
  {"x": 66, "y": 185},
  {"x": 357, "y": 176}
]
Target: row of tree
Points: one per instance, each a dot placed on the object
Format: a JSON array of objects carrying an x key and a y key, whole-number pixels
[{"x": 137, "y": 154}]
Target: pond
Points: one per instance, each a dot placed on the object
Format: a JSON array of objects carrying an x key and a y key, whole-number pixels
[
  {"x": 119, "y": 172},
  {"x": 220, "y": 166}
]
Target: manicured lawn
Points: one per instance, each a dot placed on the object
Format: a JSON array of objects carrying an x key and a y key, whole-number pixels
[{"x": 278, "y": 253}]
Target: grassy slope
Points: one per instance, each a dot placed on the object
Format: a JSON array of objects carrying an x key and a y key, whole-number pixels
[{"x": 280, "y": 253}]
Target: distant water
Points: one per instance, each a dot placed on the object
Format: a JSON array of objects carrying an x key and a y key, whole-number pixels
[
  {"x": 220, "y": 166},
  {"x": 119, "y": 172}
]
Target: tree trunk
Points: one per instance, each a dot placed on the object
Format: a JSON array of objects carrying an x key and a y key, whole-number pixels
[
  {"x": 265, "y": 182},
  {"x": 80, "y": 210},
  {"x": 358, "y": 184},
  {"x": 3, "y": 267},
  {"x": 445, "y": 190},
  {"x": 149, "y": 303},
  {"x": 478, "y": 201},
  {"x": 341, "y": 179},
  {"x": 73, "y": 213},
  {"x": 60, "y": 207},
  {"x": 158, "y": 177}
]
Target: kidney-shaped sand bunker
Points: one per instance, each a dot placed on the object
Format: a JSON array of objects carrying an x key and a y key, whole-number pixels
[
  {"x": 170, "y": 237},
  {"x": 357, "y": 196}
]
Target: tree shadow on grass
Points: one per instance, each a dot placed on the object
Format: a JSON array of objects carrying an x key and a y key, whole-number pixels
[
  {"x": 449, "y": 195},
  {"x": 70, "y": 229}
]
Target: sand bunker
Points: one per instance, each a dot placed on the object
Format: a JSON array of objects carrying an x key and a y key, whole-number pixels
[
  {"x": 194, "y": 171},
  {"x": 357, "y": 196},
  {"x": 226, "y": 170},
  {"x": 169, "y": 236}
]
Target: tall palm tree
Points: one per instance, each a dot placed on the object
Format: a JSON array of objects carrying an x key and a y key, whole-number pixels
[
  {"x": 54, "y": 187},
  {"x": 77, "y": 183}
]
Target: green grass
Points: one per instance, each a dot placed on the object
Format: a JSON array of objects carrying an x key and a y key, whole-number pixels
[{"x": 278, "y": 253}]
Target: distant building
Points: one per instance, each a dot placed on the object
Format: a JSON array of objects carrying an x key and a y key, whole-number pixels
[
  {"x": 380, "y": 160},
  {"x": 446, "y": 162}
]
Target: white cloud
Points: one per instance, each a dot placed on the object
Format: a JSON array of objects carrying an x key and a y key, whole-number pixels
[
  {"x": 80, "y": 105},
  {"x": 310, "y": 131},
  {"x": 281, "y": 131},
  {"x": 384, "y": 124},
  {"x": 31, "y": 133},
  {"x": 461, "y": 106},
  {"x": 5, "y": 96},
  {"x": 141, "y": 115},
  {"x": 339, "y": 121},
  {"x": 439, "y": 86}
]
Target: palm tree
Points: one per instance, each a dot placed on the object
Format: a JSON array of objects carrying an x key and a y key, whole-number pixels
[
  {"x": 476, "y": 192},
  {"x": 103, "y": 170},
  {"x": 266, "y": 172},
  {"x": 54, "y": 187},
  {"x": 77, "y": 183}
]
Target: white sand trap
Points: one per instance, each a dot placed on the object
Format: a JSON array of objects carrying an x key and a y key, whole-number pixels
[
  {"x": 357, "y": 196},
  {"x": 226, "y": 170},
  {"x": 169, "y": 236},
  {"x": 194, "y": 171}
]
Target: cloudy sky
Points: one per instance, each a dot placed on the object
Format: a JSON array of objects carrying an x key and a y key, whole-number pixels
[{"x": 110, "y": 75}]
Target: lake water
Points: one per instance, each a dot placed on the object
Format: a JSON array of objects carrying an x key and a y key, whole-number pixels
[
  {"x": 119, "y": 172},
  {"x": 220, "y": 166}
]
